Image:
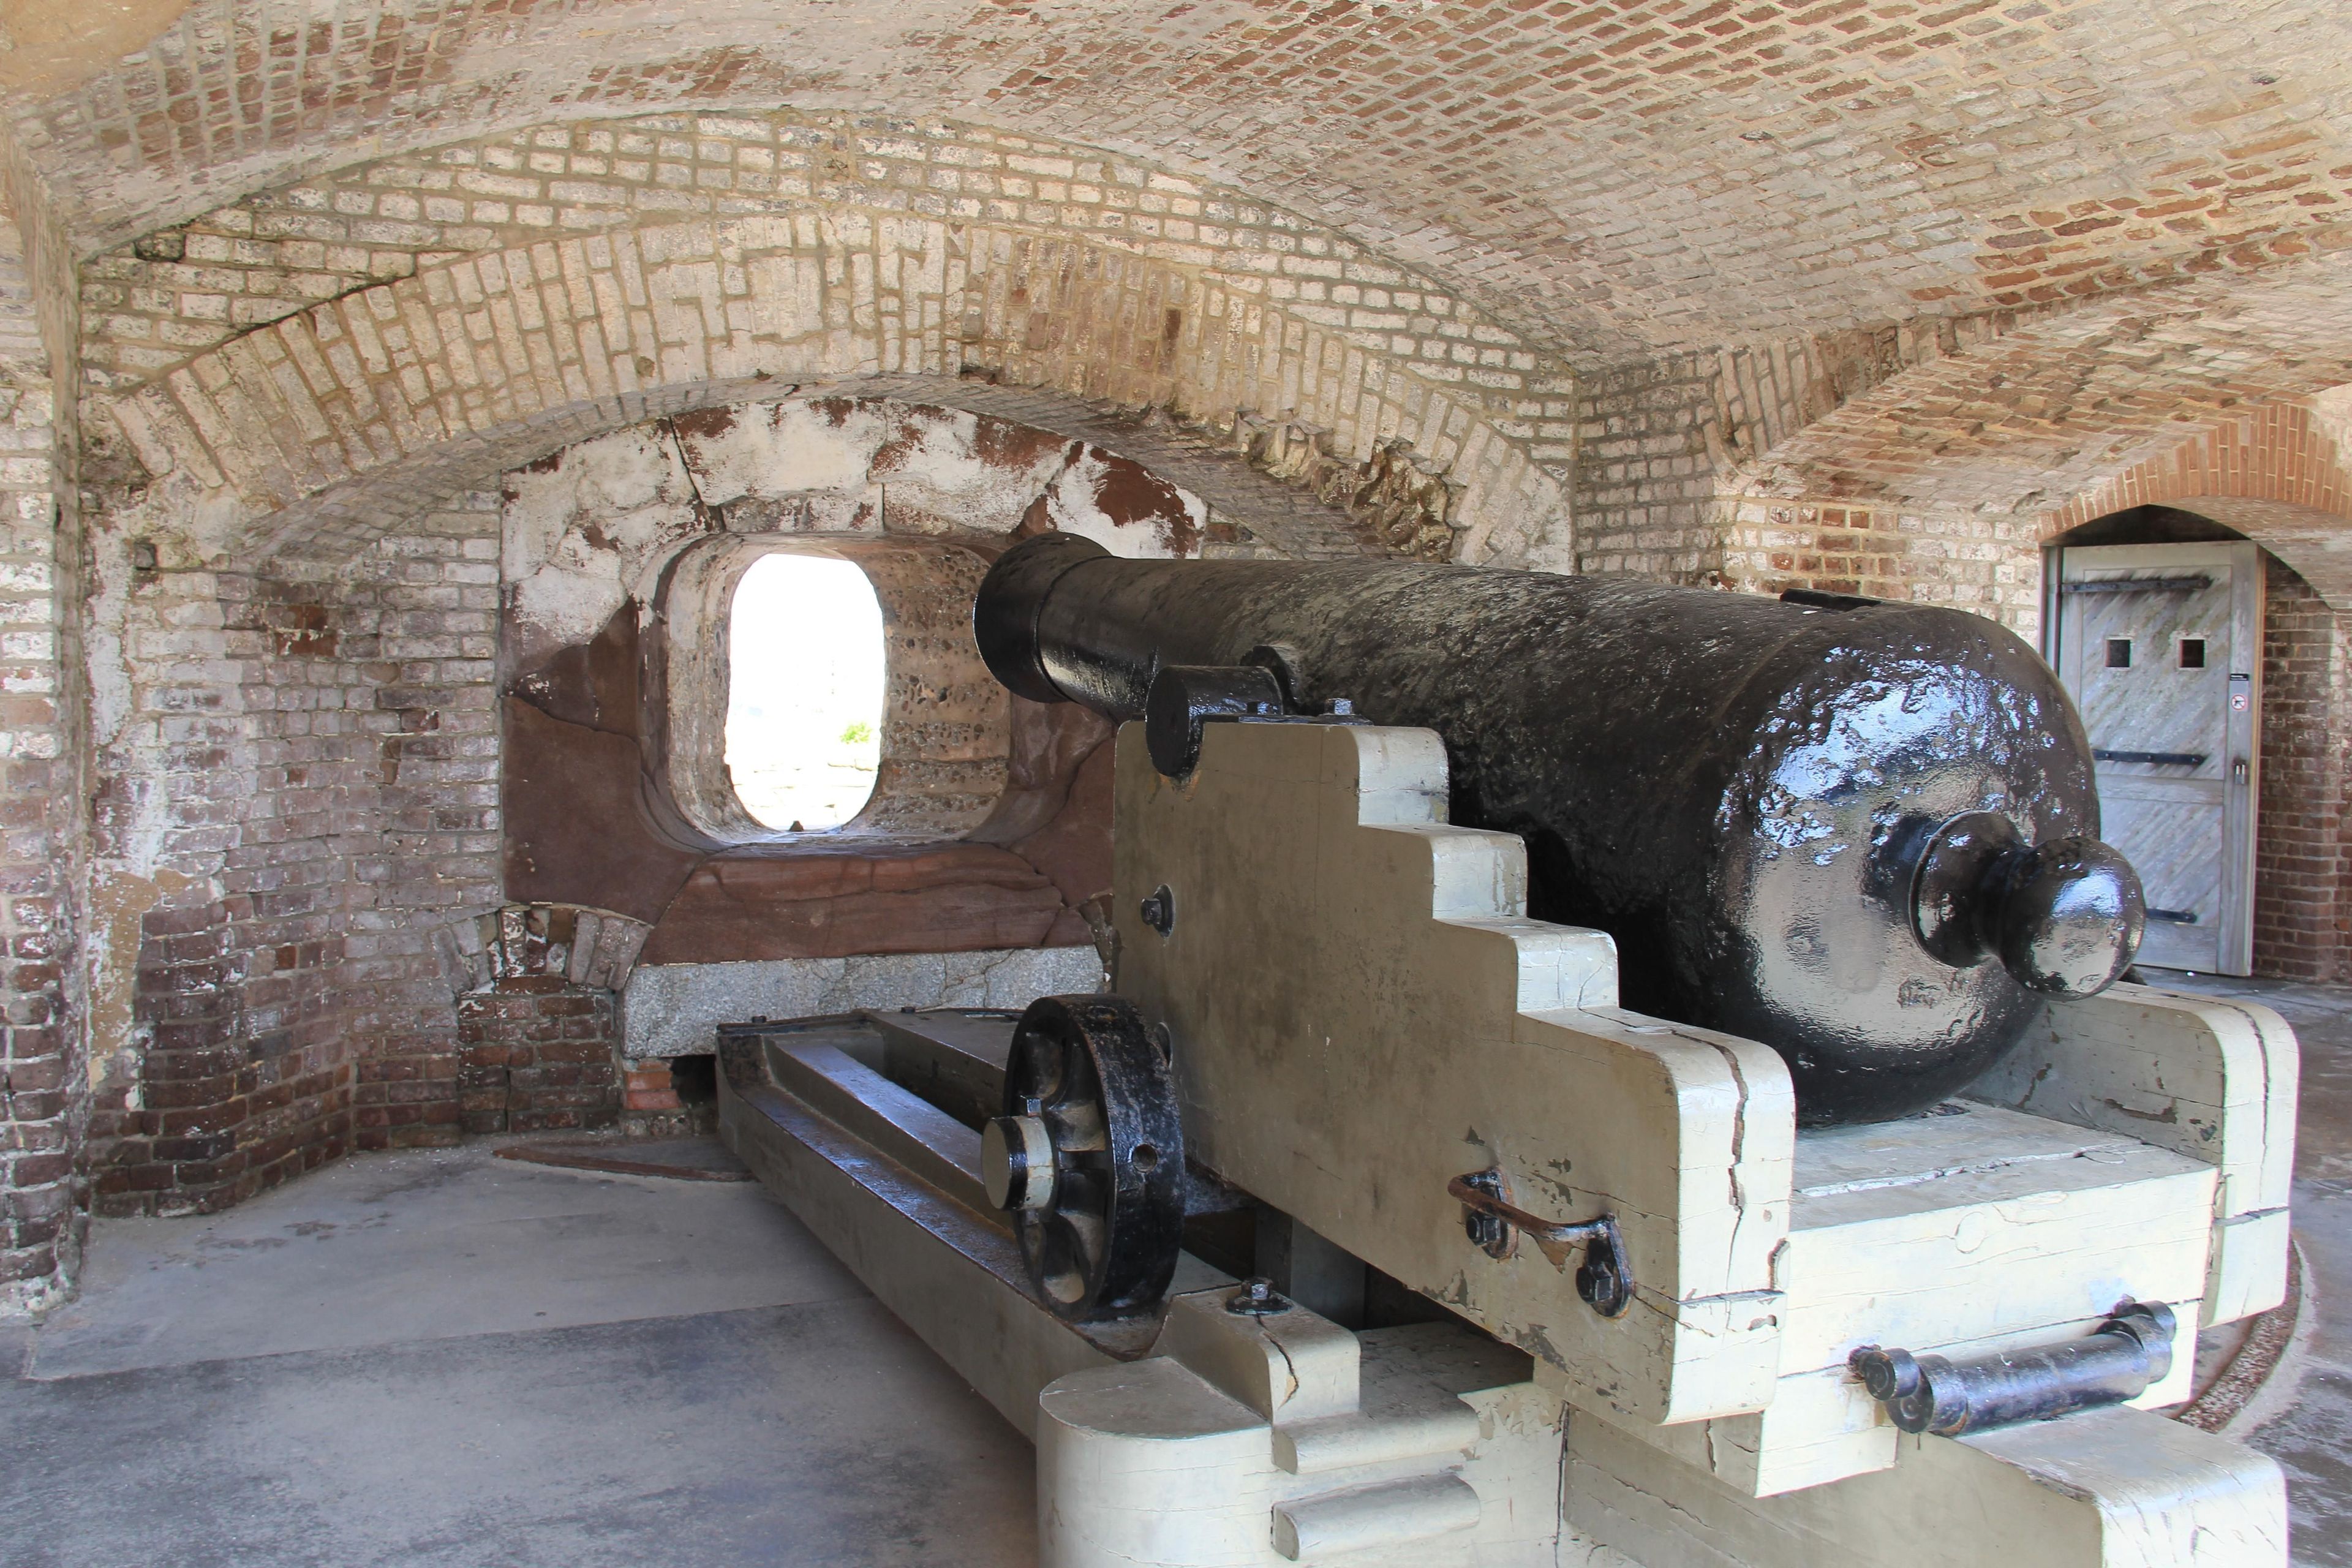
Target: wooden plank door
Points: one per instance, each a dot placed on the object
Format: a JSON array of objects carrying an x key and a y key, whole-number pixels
[{"x": 2160, "y": 646}]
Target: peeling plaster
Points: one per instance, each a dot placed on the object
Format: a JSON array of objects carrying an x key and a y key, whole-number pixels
[
  {"x": 584, "y": 528},
  {"x": 594, "y": 525},
  {"x": 943, "y": 470},
  {"x": 118, "y": 900},
  {"x": 139, "y": 824},
  {"x": 755, "y": 450},
  {"x": 1095, "y": 497}
]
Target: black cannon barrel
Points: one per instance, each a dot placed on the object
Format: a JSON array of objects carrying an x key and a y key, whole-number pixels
[{"x": 1862, "y": 833}]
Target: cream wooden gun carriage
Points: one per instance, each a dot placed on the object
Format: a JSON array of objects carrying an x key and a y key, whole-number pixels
[{"x": 1668, "y": 1306}]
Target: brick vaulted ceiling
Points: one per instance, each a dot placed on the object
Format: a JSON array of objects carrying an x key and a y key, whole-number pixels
[{"x": 1614, "y": 179}]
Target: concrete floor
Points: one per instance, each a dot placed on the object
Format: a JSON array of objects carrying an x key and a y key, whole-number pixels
[
  {"x": 439, "y": 1357},
  {"x": 2304, "y": 1417}
]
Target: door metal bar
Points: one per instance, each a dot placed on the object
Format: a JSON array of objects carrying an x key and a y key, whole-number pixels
[
  {"x": 2162, "y": 759},
  {"x": 2138, "y": 585}
]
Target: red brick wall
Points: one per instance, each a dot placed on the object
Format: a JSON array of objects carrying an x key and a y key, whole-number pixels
[
  {"x": 537, "y": 1054},
  {"x": 237, "y": 1090},
  {"x": 1988, "y": 567},
  {"x": 2302, "y": 865}
]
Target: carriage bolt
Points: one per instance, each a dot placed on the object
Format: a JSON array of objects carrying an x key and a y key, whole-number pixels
[
  {"x": 1256, "y": 1299},
  {"x": 1159, "y": 910}
]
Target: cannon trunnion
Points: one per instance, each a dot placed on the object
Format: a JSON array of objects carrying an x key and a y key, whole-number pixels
[{"x": 1864, "y": 834}]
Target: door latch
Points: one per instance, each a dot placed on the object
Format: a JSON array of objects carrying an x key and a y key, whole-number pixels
[{"x": 2238, "y": 770}]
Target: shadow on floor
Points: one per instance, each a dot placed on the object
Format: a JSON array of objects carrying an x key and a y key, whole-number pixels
[
  {"x": 2312, "y": 1435},
  {"x": 439, "y": 1357}
]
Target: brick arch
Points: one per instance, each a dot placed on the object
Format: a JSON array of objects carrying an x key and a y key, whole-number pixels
[
  {"x": 2025, "y": 422},
  {"x": 327, "y": 429},
  {"x": 1940, "y": 482},
  {"x": 2278, "y": 476},
  {"x": 151, "y": 304}
]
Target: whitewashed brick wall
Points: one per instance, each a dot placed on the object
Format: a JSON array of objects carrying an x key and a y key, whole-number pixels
[
  {"x": 42, "y": 1097},
  {"x": 272, "y": 362},
  {"x": 298, "y": 778}
]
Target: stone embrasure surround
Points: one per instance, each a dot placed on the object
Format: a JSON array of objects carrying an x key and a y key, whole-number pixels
[{"x": 285, "y": 364}]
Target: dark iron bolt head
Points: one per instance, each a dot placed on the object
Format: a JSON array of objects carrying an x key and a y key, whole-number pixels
[
  {"x": 1256, "y": 1299},
  {"x": 1600, "y": 1286}
]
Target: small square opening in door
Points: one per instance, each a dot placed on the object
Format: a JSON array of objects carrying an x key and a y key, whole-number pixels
[
  {"x": 2192, "y": 653},
  {"x": 2119, "y": 653}
]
